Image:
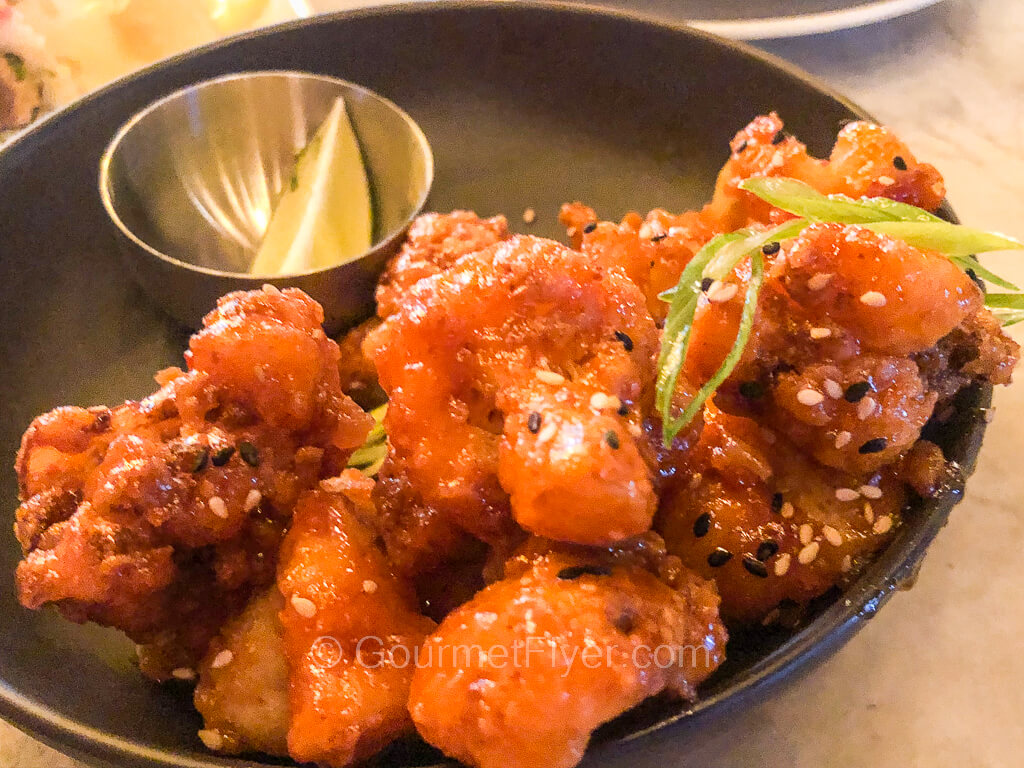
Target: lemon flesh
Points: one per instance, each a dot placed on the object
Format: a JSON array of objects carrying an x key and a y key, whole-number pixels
[{"x": 325, "y": 215}]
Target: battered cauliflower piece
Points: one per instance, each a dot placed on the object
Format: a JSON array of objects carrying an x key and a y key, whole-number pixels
[
  {"x": 161, "y": 517},
  {"x": 535, "y": 365},
  {"x": 522, "y": 674},
  {"x": 350, "y": 629}
]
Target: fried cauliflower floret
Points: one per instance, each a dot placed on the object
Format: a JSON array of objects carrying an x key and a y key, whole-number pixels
[
  {"x": 533, "y": 363},
  {"x": 522, "y": 674},
  {"x": 161, "y": 517},
  {"x": 243, "y": 682},
  {"x": 347, "y": 623}
]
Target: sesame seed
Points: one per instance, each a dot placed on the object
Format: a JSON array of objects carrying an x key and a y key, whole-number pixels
[
  {"x": 872, "y": 299},
  {"x": 810, "y": 397},
  {"x": 767, "y": 549},
  {"x": 869, "y": 512},
  {"x": 720, "y": 292},
  {"x": 221, "y": 456},
  {"x": 588, "y": 228},
  {"x": 866, "y": 407},
  {"x": 702, "y": 525},
  {"x": 612, "y": 438},
  {"x": 249, "y": 453},
  {"x": 883, "y": 524},
  {"x": 600, "y": 401},
  {"x": 659, "y": 237},
  {"x": 533, "y": 422},
  {"x": 547, "y": 433},
  {"x": 369, "y": 586},
  {"x": 806, "y": 533},
  {"x": 782, "y": 564},
  {"x": 706, "y": 283},
  {"x": 334, "y": 484},
  {"x": 200, "y": 460},
  {"x": 832, "y": 536},
  {"x": 222, "y": 659},
  {"x": 719, "y": 557},
  {"x": 635, "y": 430},
  {"x": 788, "y": 510},
  {"x": 770, "y": 249},
  {"x": 779, "y": 137},
  {"x": 856, "y": 391},
  {"x": 218, "y": 507},
  {"x": 777, "y": 502},
  {"x": 847, "y": 564},
  {"x": 529, "y": 215},
  {"x": 550, "y": 377},
  {"x": 211, "y": 739},
  {"x": 899, "y": 163},
  {"x": 820, "y": 333},
  {"x": 743, "y": 146},
  {"x": 252, "y": 500},
  {"x": 755, "y": 567},
  {"x": 875, "y": 445},
  {"x": 808, "y": 553},
  {"x": 183, "y": 673},
  {"x": 871, "y": 491},
  {"x": 843, "y": 439},
  {"x": 303, "y": 606},
  {"x": 938, "y": 189},
  {"x": 819, "y": 280},
  {"x": 833, "y": 389},
  {"x": 627, "y": 342},
  {"x": 847, "y": 494},
  {"x": 886, "y": 181},
  {"x": 623, "y": 409}
]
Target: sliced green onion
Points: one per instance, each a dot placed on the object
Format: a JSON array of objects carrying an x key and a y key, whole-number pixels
[
  {"x": 970, "y": 265},
  {"x": 751, "y": 240},
  {"x": 370, "y": 455},
  {"x": 17, "y": 65},
  {"x": 1007, "y": 307},
  {"x": 949, "y": 239},
  {"x": 801, "y": 199}
]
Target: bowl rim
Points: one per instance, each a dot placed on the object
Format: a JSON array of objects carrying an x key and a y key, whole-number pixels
[
  {"x": 893, "y": 569},
  {"x": 107, "y": 158}
]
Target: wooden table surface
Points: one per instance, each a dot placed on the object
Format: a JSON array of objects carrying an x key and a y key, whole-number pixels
[{"x": 936, "y": 680}]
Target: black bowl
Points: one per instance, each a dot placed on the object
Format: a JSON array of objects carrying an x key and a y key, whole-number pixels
[{"x": 526, "y": 106}]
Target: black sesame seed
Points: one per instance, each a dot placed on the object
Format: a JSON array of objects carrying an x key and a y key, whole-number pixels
[
  {"x": 659, "y": 237},
  {"x": 623, "y": 410},
  {"x": 719, "y": 557},
  {"x": 742, "y": 147},
  {"x": 533, "y": 422},
  {"x": 776, "y": 503},
  {"x": 627, "y": 342},
  {"x": 975, "y": 279},
  {"x": 576, "y": 571},
  {"x": 767, "y": 549},
  {"x": 220, "y": 457},
  {"x": 900, "y": 163},
  {"x": 755, "y": 566},
  {"x": 612, "y": 439},
  {"x": 200, "y": 460},
  {"x": 779, "y": 137},
  {"x": 706, "y": 283},
  {"x": 770, "y": 249},
  {"x": 250, "y": 455},
  {"x": 702, "y": 525},
  {"x": 589, "y": 227},
  {"x": 752, "y": 390},
  {"x": 855, "y": 392},
  {"x": 875, "y": 445}
]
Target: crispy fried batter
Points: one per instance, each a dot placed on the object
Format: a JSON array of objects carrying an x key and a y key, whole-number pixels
[
  {"x": 521, "y": 675},
  {"x": 347, "y": 622},
  {"x": 160, "y": 517}
]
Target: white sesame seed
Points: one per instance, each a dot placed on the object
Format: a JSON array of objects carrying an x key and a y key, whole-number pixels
[
  {"x": 271, "y": 289},
  {"x": 847, "y": 564},
  {"x": 782, "y": 564},
  {"x": 303, "y": 606},
  {"x": 873, "y": 299},
  {"x": 183, "y": 673},
  {"x": 549, "y": 431},
  {"x": 369, "y": 586},
  {"x": 529, "y": 215},
  {"x": 252, "y": 500},
  {"x": 843, "y": 439},
  {"x": 820, "y": 333},
  {"x": 778, "y": 159},
  {"x": 635, "y": 430},
  {"x": 883, "y": 524},
  {"x": 869, "y": 512},
  {"x": 810, "y": 397},
  {"x": 806, "y": 533},
  {"x": 720, "y": 292},
  {"x": 847, "y": 494},
  {"x": 218, "y": 507},
  {"x": 886, "y": 181},
  {"x": 787, "y": 510},
  {"x": 871, "y": 491},
  {"x": 771, "y": 617},
  {"x": 222, "y": 659},
  {"x": 832, "y": 536},
  {"x": 550, "y": 377},
  {"x": 599, "y": 401},
  {"x": 646, "y": 231},
  {"x": 808, "y": 553},
  {"x": 819, "y": 280},
  {"x": 334, "y": 484},
  {"x": 938, "y": 189},
  {"x": 211, "y": 739},
  {"x": 866, "y": 407},
  {"x": 832, "y": 389}
]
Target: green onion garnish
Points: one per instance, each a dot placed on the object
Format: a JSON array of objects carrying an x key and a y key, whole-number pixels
[
  {"x": 17, "y": 65},
  {"x": 719, "y": 257},
  {"x": 370, "y": 455}
]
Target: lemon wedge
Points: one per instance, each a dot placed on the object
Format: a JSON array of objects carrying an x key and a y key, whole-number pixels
[{"x": 324, "y": 216}]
